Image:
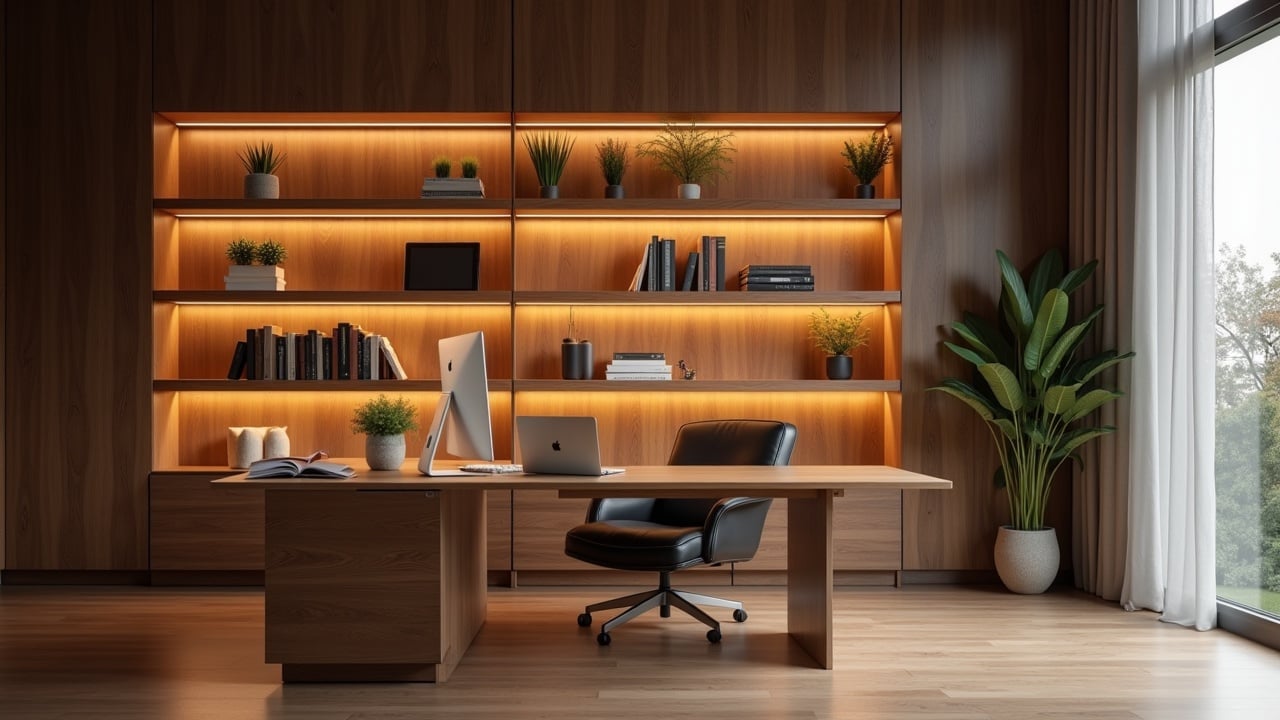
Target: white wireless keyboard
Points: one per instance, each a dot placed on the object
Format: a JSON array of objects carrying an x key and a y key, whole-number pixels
[{"x": 492, "y": 468}]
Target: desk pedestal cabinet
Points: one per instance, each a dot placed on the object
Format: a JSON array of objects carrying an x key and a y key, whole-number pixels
[{"x": 384, "y": 585}]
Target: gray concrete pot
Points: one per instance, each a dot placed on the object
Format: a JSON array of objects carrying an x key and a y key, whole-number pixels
[
  {"x": 1027, "y": 560},
  {"x": 384, "y": 452},
  {"x": 261, "y": 186}
]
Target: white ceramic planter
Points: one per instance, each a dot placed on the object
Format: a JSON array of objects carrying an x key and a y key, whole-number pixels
[
  {"x": 1027, "y": 560},
  {"x": 259, "y": 186},
  {"x": 384, "y": 452},
  {"x": 689, "y": 191}
]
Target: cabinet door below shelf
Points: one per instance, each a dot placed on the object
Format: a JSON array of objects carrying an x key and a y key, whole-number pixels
[{"x": 197, "y": 526}]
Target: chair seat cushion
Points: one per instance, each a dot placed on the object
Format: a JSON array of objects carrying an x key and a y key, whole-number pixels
[{"x": 635, "y": 545}]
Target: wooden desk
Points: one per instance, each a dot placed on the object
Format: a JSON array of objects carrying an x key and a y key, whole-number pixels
[{"x": 382, "y": 577}]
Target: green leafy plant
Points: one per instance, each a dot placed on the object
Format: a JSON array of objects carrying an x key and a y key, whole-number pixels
[
  {"x": 470, "y": 166},
  {"x": 261, "y": 159},
  {"x": 612, "y": 155},
  {"x": 242, "y": 251},
  {"x": 384, "y": 416},
  {"x": 1030, "y": 388},
  {"x": 443, "y": 166},
  {"x": 549, "y": 153},
  {"x": 836, "y": 334},
  {"x": 867, "y": 158},
  {"x": 271, "y": 252},
  {"x": 690, "y": 153}
]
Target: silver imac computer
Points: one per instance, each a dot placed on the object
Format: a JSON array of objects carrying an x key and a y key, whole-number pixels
[{"x": 462, "y": 413}]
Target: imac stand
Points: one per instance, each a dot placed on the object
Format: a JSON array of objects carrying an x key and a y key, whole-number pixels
[{"x": 427, "y": 460}]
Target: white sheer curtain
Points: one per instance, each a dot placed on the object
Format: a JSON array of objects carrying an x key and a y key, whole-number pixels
[{"x": 1170, "y": 557}]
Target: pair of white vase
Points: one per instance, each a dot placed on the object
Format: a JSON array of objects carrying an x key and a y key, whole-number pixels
[{"x": 247, "y": 445}]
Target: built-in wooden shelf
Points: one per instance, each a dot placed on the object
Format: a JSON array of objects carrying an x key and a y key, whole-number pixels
[
  {"x": 708, "y": 385},
  {"x": 335, "y": 207},
  {"x": 332, "y": 297},
  {"x": 216, "y": 385},
  {"x": 729, "y": 297},
  {"x": 671, "y": 207}
]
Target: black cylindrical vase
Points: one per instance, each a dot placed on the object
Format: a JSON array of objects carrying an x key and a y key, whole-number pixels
[
  {"x": 839, "y": 367},
  {"x": 575, "y": 360},
  {"x": 864, "y": 192}
]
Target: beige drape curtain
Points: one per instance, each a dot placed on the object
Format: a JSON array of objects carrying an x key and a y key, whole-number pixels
[{"x": 1103, "y": 88}]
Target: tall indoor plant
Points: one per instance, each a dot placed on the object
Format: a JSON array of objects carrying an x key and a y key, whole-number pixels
[
  {"x": 549, "y": 153},
  {"x": 1034, "y": 393},
  {"x": 690, "y": 153}
]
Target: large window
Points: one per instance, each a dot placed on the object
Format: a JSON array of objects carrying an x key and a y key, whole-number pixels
[{"x": 1247, "y": 239}]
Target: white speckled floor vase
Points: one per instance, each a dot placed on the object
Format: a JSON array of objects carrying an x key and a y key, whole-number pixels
[{"x": 1027, "y": 560}]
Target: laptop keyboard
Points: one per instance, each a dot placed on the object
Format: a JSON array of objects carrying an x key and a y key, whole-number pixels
[{"x": 495, "y": 468}]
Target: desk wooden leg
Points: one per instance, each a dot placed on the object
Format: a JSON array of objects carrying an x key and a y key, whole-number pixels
[{"x": 810, "y": 575}]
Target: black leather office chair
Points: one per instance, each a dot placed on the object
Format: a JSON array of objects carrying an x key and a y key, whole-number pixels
[{"x": 665, "y": 535}]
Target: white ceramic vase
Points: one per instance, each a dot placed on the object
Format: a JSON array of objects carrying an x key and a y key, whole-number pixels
[
  {"x": 384, "y": 452},
  {"x": 689, "y": 191},
  {"x": 1027, "y": 560}
]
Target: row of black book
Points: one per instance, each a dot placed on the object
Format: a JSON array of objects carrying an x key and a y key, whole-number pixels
[
  {"x": 703, "y": 269},
  {"x": 350, "y": 353},
  {"x": 775, "y": 277}
]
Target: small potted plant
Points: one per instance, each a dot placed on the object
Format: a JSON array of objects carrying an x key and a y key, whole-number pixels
[
  {"x": 260, "y": 163},
  {"x": 470, "y": 167},
  {"x": 244, "y": 275},
  {"x": 691, "y": 154},
  {"x": 443, "y": 166},
  {"x": 866, "y": 159},
  {"x": 612, "y": 156},
  {"x": 836, "y": 336},
  {"x": 576, "y": 361},
  {"x": 549, "y": 153},
  {"x": 242, "y": 251},
  {"x": 384, "y": 422}
]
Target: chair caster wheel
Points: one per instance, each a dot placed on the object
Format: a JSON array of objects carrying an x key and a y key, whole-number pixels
[
  {"x": 740, "y": 615},
  {"x": 584, "y": 620},
  {"x": 603, "y": 639},
  {"x": 713, "y": 635}
]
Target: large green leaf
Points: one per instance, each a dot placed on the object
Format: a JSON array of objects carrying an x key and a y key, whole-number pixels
[
  {"x": 990, "y": 335},
  {"x": 1097, "y": 364},
  {"x": 1066, "y": 344},
  {"x": 967, "y": 354},
  {"x": 1076, "y": 278},
  {"x": 1015, "y": 294},
  {"x": 1060, "y": 399},
  {"x": 975, "y": 341},
  {"x": 1004, "y": 384},
  {"x": 1078, "y": 437},
  {"x": 1007, "y": 427},
  {"x": 1091, "y": 401},
  {"x": 1048, "y": 273},
  {"x": 1050, "y": 320},
  {"x": 957, "y": 389}
]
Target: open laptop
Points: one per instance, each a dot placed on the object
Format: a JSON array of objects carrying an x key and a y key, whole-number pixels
[{"x": 560, "y": 445}]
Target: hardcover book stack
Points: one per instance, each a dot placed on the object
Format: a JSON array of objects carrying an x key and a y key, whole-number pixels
[
  {"x": 771, "y": 278},
  {"x": 350, "y": 353},
  {"x": 703, "y": 269},
  {"x": 638, "y": 366},
  {"x": 452, "y": 188}
]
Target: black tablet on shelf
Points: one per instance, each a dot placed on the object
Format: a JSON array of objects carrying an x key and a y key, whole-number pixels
[{"x": 442, "y": 266}]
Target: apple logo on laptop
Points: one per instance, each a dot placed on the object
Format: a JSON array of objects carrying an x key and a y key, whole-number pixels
[{"x": 556, "y": 446}]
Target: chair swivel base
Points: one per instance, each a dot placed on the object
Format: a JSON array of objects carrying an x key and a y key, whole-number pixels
[{"x": 665, "y": 597}]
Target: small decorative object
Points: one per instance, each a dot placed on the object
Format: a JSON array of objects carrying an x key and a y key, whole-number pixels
[
  {"x": 691, "y": 154},
  {"x": 549, "y": 153},
  {"x": 443, "y": 166},
  {"x": 1034, "y": 391},
  {"x": 576, "y": 361},
  {"x": 245, "y": 445},
  {"x": 243, "y": 275},
  {"x": 866, "y": 159},
  {"x": 612, "y": 155},
  {"x": 384, "y": 422},
  {"x": 470, "y": 167},
  {"x": 836, "y": 336},
  {"x": 276, "y": 443},
  {"x": 688, "y": 374},
  {"x": 261, "y": 163}
]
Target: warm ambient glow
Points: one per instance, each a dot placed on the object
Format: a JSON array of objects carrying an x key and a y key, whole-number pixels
[
  {"x": 326, "y": 124},
  {"x": 337, "y": 216},
  {"x": 746, "y": 125},
  {"x": 732, "y": 215}
]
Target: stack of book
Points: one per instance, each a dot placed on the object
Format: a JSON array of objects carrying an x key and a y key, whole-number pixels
[
  {"x": 350, "y": 353},
  {"x": 775, "y": 277},
  {"x": 638, "y": 366},
  {"x": 254, "y": 277},
  {"x": 452, "y": 188}
]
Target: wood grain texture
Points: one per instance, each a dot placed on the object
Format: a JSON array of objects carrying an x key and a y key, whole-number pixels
[
  {"x": 78, "y": 270},
  {"x": 197, "y": 526},
  {"x": 3, "y": 401},
  {"x": 809, "y": 570},
  {"x": 298, "y": 55},
  {"x": 464, "y": 594},
  {"x": 984, "y": 135},
  {"x": 733, "y": 56}
]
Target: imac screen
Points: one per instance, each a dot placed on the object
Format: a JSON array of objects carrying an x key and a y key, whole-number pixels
[{"x": 469, "y": 433}]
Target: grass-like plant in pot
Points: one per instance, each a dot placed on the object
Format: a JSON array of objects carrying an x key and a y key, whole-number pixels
[
  {"x": 470, "y": 166},
  {"x": 613, "y": 159},
  {"x": 837, "y": 335},
  {"x": 866, "y": 159},
  {"x": 1035, "y": 393},
  {"x": 692, "y": 154},
  {"x": 384, "y": 422},
  {"x": 549, "y": 153},
  {"x": 442, "y": 165},
  {"x": 260, "y": 164}
]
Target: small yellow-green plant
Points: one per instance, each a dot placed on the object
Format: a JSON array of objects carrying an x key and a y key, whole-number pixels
[
  {"x": 443, "y": 166},
  {"x": 612, "y": 155},
  {"x": 384, "y": 416},
  {"x": 242, "y": 251},
  {"x": 690, "y": 153},
  {"x": 836, "y": 334},
  {"x": 867, "y": 158},
  {"x": 271, "y": 252},
  {"x": 470, "y": 166}
]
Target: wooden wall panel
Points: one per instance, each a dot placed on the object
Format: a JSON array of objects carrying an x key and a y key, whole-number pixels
[
  {"x": 197, "y": 526},
  {"x": 3, "y": 408},
  {"x": 706, "y": 56},
  {"x": 302, "y": 55},
  {"x": 984, "y": 150},
  {"x": 78, "y": 265}
]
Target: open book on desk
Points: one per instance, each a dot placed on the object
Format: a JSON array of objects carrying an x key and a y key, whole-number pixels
[{"x": 314, "y": 465}]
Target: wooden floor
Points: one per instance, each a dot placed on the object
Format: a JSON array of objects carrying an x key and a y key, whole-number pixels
[{"x": 917, "y": 652}]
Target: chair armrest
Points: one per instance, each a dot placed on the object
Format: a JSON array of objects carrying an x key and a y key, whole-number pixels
[
  {"x": 733, "y": 528},
  {"x": 620, "y": 509}
]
